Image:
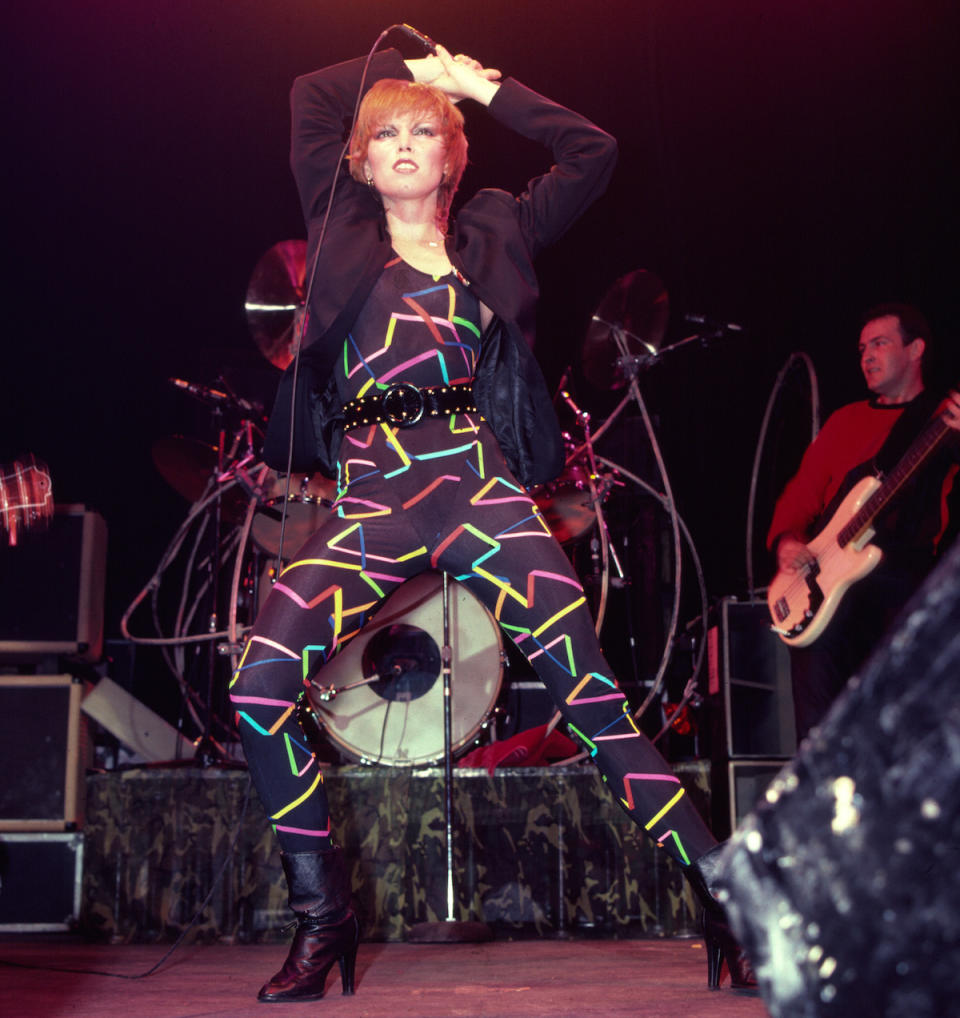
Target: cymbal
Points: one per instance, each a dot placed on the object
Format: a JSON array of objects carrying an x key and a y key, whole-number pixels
[
  {"x": 637, "y": 306},
  {"x": 275, "y": 294},
  {"x": 187, "y": 465}
]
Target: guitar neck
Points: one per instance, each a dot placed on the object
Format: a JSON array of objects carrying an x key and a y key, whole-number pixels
[{"x": 918, "y": 453}]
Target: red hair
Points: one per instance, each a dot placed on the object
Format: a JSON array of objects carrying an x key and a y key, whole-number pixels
[{"x": 392, "y": 97}]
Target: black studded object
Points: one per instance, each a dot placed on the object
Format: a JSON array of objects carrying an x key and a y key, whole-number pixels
[{"x": 403, "y": 405}]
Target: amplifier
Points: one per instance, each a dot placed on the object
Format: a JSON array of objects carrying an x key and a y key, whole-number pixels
[
  {"x": 42, "y": 876},
  {"x": 51, "y": 589},
  {"x": 44, "y": 752}
]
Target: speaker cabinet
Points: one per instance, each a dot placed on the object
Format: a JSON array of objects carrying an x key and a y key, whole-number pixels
[
  {"x": 747, "y": 783},
  {"x": 750, "y": 666},
  {"x": 753, "y": 733},
  {"x": 51, "y": 589},
  {"x": 42, "y": 876},
  {"x": 44, "y": 753}
]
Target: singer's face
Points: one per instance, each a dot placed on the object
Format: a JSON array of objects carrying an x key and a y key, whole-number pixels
[{"x": 406, "y": 157}]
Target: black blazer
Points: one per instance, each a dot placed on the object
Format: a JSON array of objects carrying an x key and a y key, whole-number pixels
[{"x": 493, "y": 243}]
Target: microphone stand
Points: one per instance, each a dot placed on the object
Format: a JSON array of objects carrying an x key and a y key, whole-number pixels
[{"x": 450, "y": 930}]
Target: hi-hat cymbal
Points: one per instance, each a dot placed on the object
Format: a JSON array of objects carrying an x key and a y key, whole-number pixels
[
  {"x": 636, "y": 306},
  {"x": 274, "y": 295}
]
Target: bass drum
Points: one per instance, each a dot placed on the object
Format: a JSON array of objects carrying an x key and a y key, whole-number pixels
[{"x": 381, "y": 698}]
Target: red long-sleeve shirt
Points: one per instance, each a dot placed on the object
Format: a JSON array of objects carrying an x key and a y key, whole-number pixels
[{"x": 850, "y": 436}]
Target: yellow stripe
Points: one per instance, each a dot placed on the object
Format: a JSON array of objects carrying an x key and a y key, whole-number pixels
[
  {"x": 666, "y": 809},
  {"x": 563, "y": 611},
  {"x": 306, "y": 795}
]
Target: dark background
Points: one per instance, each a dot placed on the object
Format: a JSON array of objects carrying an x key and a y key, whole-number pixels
[{"x": 783, "y": 166}]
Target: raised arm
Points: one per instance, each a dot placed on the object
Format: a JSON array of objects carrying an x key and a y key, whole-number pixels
[{"x": 322, "y": 104}]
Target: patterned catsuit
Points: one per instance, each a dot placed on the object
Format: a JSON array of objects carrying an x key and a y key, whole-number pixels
[{"x": 437, "y": 495}]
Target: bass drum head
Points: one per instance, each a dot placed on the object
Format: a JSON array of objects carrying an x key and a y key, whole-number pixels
[{"x": 387, "y": 706}]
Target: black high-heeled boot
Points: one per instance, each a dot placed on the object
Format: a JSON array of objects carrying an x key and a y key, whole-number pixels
[
  {"x": 718, "y": 938},
  {"x": 327, "y": 928}
]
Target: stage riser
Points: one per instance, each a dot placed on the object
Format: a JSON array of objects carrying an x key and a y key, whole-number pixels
[{"x": 538, "y": 852}]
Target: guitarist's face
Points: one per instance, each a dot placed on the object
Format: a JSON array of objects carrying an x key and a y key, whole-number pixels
[{"x": 890, "y": 366}]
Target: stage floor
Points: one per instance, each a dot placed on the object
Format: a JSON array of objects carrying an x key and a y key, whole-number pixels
[{"x": 501, "y": 979}]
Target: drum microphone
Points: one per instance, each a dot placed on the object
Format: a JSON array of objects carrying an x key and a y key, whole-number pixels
[
  {"x": 217, "y": 397},
  {"x": 568, "y": 399},
  {"x": 428, "y": 44},
  {"x": 203, "y": 392},
  {"x": 716, "y": 328}
]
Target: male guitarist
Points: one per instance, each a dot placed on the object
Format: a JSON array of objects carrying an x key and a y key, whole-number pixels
[{"x": 863, "y": 438}]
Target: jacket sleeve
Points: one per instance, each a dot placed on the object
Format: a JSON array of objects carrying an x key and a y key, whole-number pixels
[
  {"x": 322, "y": 105},
  {"x": 584, "y": 160}
]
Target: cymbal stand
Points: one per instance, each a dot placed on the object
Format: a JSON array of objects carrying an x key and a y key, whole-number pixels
[
  {"x": 601, "y": 541},
  {"x": 450, "y": 930},
  {"x": 630, "y": 364}
]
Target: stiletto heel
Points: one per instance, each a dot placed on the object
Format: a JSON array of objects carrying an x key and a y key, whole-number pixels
[
  {"x": 714, "y": 957},
  {"x": 328, "y": 930},
  {"x": 722, "y": 946},
  {"x": 718, "y": 938},
  {"x": 348, "y": 964}
]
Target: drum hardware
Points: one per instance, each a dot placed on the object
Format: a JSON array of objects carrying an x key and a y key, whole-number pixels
[
  {"x": 222, "y": 480},
  {"x": 625, "y": 337}
]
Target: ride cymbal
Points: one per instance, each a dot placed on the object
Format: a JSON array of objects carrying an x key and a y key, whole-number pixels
[{"x": 637, "y": 307}]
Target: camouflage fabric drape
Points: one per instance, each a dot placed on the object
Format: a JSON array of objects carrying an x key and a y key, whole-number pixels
[{"x": 538, "y": 852}]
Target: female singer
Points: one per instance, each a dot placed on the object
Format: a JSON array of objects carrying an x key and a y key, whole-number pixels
[{"x": 417, "y": 391}]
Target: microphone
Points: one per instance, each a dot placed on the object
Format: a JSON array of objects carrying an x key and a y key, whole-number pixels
[
  {"x": 216, "y": 397},
  {"x": 428, "y": 44},
  {"x": 202, "y": 392},
  {"x": 714, "y": 326},
  {"x": 568, "y": 399}
]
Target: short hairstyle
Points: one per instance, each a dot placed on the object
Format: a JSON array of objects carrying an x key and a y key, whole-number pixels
[
  {"x": 913, "y": 323},
  {"x": 392, "y": 97}
]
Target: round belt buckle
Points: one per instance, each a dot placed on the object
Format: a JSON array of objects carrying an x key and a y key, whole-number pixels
[{"x": 402, "y": 405}]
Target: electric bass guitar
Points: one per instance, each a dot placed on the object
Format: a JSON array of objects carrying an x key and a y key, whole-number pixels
[{"x": 803, "y": 602}]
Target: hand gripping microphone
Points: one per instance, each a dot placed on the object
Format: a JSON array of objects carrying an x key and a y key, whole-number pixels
[{"x": 428, "y": 44}]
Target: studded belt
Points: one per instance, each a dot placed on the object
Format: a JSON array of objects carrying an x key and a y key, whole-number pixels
[{"x": 403, "y": 405}]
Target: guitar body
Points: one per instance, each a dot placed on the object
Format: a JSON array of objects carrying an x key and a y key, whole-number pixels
[{"x": 803, "y": 603}]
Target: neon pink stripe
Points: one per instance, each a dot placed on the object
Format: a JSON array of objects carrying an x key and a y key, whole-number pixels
[
  {"x": 362, "y": 501},
  {"x": 501, "y": 501},
  {"x": 653, "y": 777},
  {"x": 597, "y": 699},
  {"x": 292, "y": 594},
  {"x": 555, "y": 576},
  {"x": 400, "y": 368},
  {"x": 261, "y": 700},
  {"x": 304, "y": 831}
]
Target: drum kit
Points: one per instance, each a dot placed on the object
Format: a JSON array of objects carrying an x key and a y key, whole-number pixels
[{"x": 375, "y": 702}]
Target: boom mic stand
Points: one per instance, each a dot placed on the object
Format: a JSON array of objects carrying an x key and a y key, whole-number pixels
[{"x": 451, "y": 929}]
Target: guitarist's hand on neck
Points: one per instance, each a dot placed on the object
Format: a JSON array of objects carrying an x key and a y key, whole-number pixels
[{"x": 951, "y": 410}]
